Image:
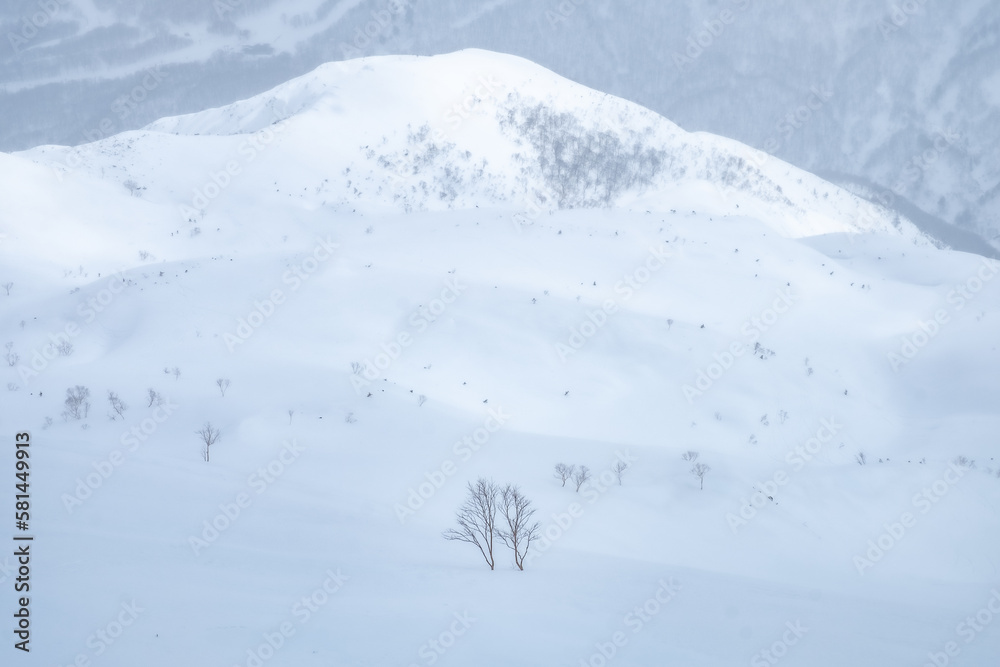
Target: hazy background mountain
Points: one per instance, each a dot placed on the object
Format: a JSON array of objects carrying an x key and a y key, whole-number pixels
[{"x": 881, "y": 97}]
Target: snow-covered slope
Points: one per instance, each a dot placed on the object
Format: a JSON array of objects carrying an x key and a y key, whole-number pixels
[
  {"x": 469, "y": 129},
  {"x": 901, "y": 98},
  {"x": 384, "y": 345}
]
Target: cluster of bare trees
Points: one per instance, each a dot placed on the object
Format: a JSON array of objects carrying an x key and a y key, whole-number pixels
[
  {"x": 580, "y": 475},
  {"x": 585, "y": 167},
  {"x": 491, "y": 512}
]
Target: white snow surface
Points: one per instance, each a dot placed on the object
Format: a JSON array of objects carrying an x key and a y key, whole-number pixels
[{"x": 473, "y": 280}]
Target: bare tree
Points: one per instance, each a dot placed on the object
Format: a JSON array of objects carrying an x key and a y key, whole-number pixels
[
  {"x": 223, "y": 385},
  {"x": 11, "y": 356},
  {"x": 477, "y": 519},
  {"x": 117, "y": 405},
  {"x": 209, "y": 435},
  {"x": 700, "y": 470},
  {"x": 134, "y": 188},
  {"x": 290, "y": 413},
  {"x": 619, "y": 469},
  {"x": 690, "y": 456},
  {"x": 7, "y": 286},
  {"x": 153, "y": 398},
  {"x": 564, "y": 472},
  {"x": 177, "y": 373},
  {"x": 861, "y": 458},
  {"x": 581, "y": 475},
  {"x": 77, "y": 405},
  {"x": 520, "y": 530}
]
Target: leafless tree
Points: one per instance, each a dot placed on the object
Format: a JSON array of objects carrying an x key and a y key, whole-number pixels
[
  {"x": 11, "y": 356},
  {"x": 223, "y": 385},
  {"x": 964, "y": 462},
  {"x": 690, "y": 456},
  {"x": 117, "y": 405},
  {"x": 477, "y": 519},
  {"x": 290, "y": 413},
  {"x": 209, "y": 435},
  {"x": 700, "y": 470},
  {"x": 581, "y": 475},
  {"x": 7, "y": 286},
  {"x": 154, "y": 398},
  {"x": 519, "y": 530},
  {"x": 564, "y": 472},
  {"x": 77, "y": 405},
  {"x": 619, "y": 469},
  {"x": 861, "y": 458}
]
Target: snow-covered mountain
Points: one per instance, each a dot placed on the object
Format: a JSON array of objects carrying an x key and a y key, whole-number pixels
[
  {"x": 471, "y": 129},
  {"x": 899, "y": 101},
  {"x": 394, "y": 275}
]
